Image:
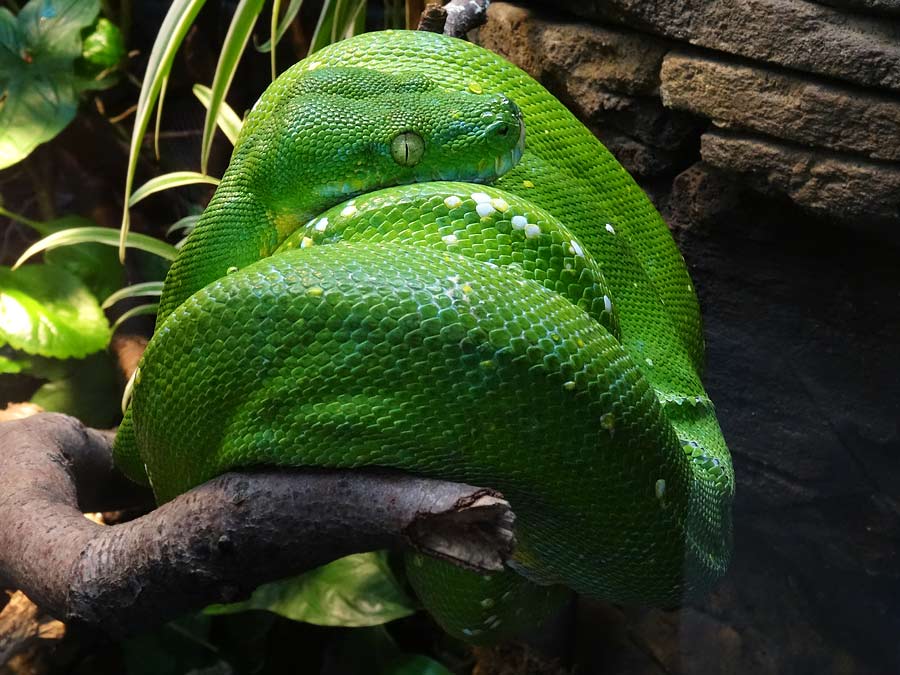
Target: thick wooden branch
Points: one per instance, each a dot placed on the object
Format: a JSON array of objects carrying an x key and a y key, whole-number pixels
[{"x": 215, "y": 543}]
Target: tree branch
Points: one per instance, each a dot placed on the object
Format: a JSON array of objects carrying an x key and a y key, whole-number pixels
[{"x": 215, "y": 543}]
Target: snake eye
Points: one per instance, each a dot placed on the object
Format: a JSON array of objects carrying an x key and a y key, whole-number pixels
[{"x": 407, "y": 148}]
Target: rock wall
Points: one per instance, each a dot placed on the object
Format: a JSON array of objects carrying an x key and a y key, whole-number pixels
[
  {"x": 768, "y": 133},
  {"x": 801, "y": 99}
]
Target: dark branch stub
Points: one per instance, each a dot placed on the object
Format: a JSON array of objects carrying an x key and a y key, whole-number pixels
[
  {"x": 215, "y": 543},
  {"x": 464, "y": 15}
]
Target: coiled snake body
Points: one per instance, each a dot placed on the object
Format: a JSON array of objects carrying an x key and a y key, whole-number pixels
[{"x": 344, "y": 302}]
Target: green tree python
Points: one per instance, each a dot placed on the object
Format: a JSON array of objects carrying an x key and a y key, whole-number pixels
[{"x": 419, "y": 259}]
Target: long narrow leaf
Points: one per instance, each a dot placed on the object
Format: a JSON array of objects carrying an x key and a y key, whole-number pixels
[
  {"x": 338, "y": 19},
  {"x": 168, "y": 181},
  {"x": 99, "y": 235},
  {"x": 140, "y": 310},
  {"x": 175, "y": 26},
  {"x": 227, "y": 119},
  {"x": 134, "y": 291},
  {"x": 273, "y": 40},
  {"x": 187, "y": 224},
  {"x": 279, "y": 31},
  {"x": 322, "y": 34},
  {"x": 159, "y": 112},
  {"x": 235, "y": 41}
]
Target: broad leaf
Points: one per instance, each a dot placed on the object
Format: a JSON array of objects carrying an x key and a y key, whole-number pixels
[
  {"x": 89, "y": 391},
  {"x": 38, "y": 84},
  {"x": 414, "y": 664},
  {"x": 10, "y": 366},
  {"x": 48, "y": 311},
  {"x": 358, "y": 590},
  {"x": 104, "y": 47}
]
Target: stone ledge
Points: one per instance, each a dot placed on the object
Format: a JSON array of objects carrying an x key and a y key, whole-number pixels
[
  {"x": 792, "y": 33},
  {"x": 876, "y": 7},
  {"x": 783, "y": 104},
  {"x": 614, "y": 59},
  {"x": 863, "y": 193},
  {"x": 639, "y": 159}
]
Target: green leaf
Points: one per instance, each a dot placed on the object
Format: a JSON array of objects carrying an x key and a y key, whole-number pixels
[
  {"x": 358, "y": 590},
  {"x": 235, "y": 41},
  {"x": 339, "y": 19},
  {"x": 39, "y": 87},
  {"x": 89, "y": 391},
  {"x": 180, "y": 647},
  {"x": 46, "y": 310},
  {"x": 278, "y": 29},
  {"x": 9, "y": 366},
  {"x": 103, "y": 47},
  {"x": 414, "y": 664},
  {"x": 178, "y": 20},
  {"x": 188, "y": 223},
  {"x": 168, "y": 181},
  {"x": 99, "y": 235},
  {"x": 134, "y": 291},
  {"x": 289, "y": 15},
  {"x": 140, "y": 310},
  {"x": 227, "y": 119},
  {"x": 95, "y": 264}
]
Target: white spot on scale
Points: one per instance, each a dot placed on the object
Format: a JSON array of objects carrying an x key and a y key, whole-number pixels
[
  {"x": 348, "y": 210},
  {"x": 323, "y": 224},
  {"x": 500, "y": 204},
  {"x": 306, "y": 242},
  {"x": 610, "y": 228},
  {"x": 532, "y": 231},
  {"x": 607, "y": 303},
  {"x": 449, "y": 239},
  {"x": 452, "y": 201},
  {"x": 519, "y": 222},
  {"x": 660, "y": 488},
  {"x": 481, "y": 197},
  {"x": 484, "y": 209},
  {"x": 649, "y": 362},
  {"x": 575, "y": 248}
]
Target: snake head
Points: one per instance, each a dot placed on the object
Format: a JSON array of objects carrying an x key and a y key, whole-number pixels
[{"x": 340, "y": 132}]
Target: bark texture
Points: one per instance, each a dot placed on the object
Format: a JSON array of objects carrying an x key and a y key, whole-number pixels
[{"x": 215, "y": 543}]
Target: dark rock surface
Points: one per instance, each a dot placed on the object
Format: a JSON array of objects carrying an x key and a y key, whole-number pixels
[
  {"x": 794, "y": 33},
  {"x": 786, "y": 105},
  {"x": 793, "y": 250},
  {"x": 862, "y": 193},
  {"x": 611, "y": 58},
  {"x": 876, "y": 7}
]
